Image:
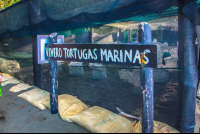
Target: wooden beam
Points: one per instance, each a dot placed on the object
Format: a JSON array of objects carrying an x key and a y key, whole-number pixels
[
  {"x": 53, "y": 79},
  {"x": 188, "y": 77},
  {"x": 144, "y": 36},
  {"x": 37, "y": 68}
]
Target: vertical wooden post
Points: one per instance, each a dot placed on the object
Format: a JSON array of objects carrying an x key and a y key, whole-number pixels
[
  {"x": 37, "y": 68},
  {"x": 198, "y": 33},
  {"x": 198, "y": 46},
  {"x": 54, "y": 79},
  {"x": 91, "y": 35},
  {"x": 188, "y": 77},
  {"x": 129, "y": 35},
  {"x": 147, "y": 84}
]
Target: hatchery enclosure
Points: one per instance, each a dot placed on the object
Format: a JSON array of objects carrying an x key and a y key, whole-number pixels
[
  {"x": 104, "y": 85},
  {"x": 109, "y": 22}
]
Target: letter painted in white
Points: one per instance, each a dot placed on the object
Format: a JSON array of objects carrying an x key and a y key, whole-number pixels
[
  {"x": 47, "y": 53},
  {"x": 80, "y": 56},
  {"x": 71, "y": 53},
  {"x": 68, "y": 53},
  {"x": 60, "y": 52},
  {"x": 90, "y": 54},
  {"x": 116, "y": 53},
  {"x": 110, "y": 55},
  {"x": 51, "y": 52},
  {"x": 84, "y": 54},
  {"x": 147, "y": 59},
  {"x": 121, "y": 56},
  {"x": 57, "y": 53},
  {"x": 75, "y": 49},
  {"x": 129, "y": 55},
  {"x": 65, "y": 52},
  {"x": 95, "y": 54},
  {"x": 54, "y": 50},
  {"x": 104, "y": 53},
  {"x": 137, "y": 56}
]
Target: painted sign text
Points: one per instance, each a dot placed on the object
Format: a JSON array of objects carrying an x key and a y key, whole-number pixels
[{"x": 123, "y": 54}]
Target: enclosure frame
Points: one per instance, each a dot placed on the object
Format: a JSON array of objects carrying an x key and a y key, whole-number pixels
[{"x": 40, "y": 54}]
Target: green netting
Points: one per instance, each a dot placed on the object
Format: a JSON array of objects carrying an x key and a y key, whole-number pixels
[{"x": 33, "y": 17}]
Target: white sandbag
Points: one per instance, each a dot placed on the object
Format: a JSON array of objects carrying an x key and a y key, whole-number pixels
[
  {"x": 68, "y": 105},
  {"x": 158, "y": 127},
  {"x": 19, "y": 87},
  {"x": 100, "y": 120},
  {"x": 36, "y": 96},
  {"x": 11, "y": 81},
  {"x": 5, "y": 77}
]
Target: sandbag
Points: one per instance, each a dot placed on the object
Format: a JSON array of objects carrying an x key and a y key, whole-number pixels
[
  {"x": 11, "y": 81},
  {"x": 19, "y": 87},
  {"x": 99, "y": 120},
  {"x": 46, "y": 103},
  {"x": 36, "y": 96},
  {"x": 67, "y": 106},
  {"x": 5, "y": 77},
  {"x": 198, "y": 91},
  {"x": 9, "y": 66},
  {"x": 159, "y": 127}
]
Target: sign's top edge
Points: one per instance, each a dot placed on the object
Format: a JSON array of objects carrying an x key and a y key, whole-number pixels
[{"x": 104, "y": 44}]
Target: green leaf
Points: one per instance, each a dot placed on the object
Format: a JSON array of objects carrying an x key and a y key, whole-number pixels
[{"x": 6, "y": 3}]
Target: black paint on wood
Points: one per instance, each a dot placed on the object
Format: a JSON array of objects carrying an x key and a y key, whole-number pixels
[
  {"x": 97, "y": 49},
  {"x": 37, "y": 68}
]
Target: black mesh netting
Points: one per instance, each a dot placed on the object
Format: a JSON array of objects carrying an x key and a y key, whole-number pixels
[
  {"x": 33, "y": 17},
  {"x": 118, "y": 86}
]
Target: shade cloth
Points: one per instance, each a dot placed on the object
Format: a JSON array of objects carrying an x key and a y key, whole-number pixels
[{"x": 33, "y": 17}]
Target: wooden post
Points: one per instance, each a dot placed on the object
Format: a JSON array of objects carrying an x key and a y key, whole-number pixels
[
  {"x": 188, "y": 77},
  {"x": 91, "y": 35},
  {"x": 144, "y": 36},
  {"x": 198, "y": 46},
  {"x": 37, "y": 68},
  {"x": 53, "y": 79},
  {"x": 129, "y": 35}
]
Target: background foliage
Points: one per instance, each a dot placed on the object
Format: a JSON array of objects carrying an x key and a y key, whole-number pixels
[{"x": 6, "y": 3}]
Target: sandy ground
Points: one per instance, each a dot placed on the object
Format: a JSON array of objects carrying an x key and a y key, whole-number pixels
[
  {"x": 100, "y": 92},
  {"x": 197, "y": 115},
  {"x": 30, "y": 119}
]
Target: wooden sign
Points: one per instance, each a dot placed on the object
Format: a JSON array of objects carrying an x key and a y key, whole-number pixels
[
  {"x": 41, "y": 41},
  {"x": 120, "y": 54}
]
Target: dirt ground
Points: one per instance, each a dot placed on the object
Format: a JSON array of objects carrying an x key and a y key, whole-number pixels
[
  {"x": 30, "y": 119},
  {"x": 114, "y": 92},
  {"x": 108, "y": 93},
  {"x": 197, "y": 115}
]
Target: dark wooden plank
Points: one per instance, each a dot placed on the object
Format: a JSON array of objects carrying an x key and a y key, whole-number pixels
[{"x": 119, "y": 54}]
